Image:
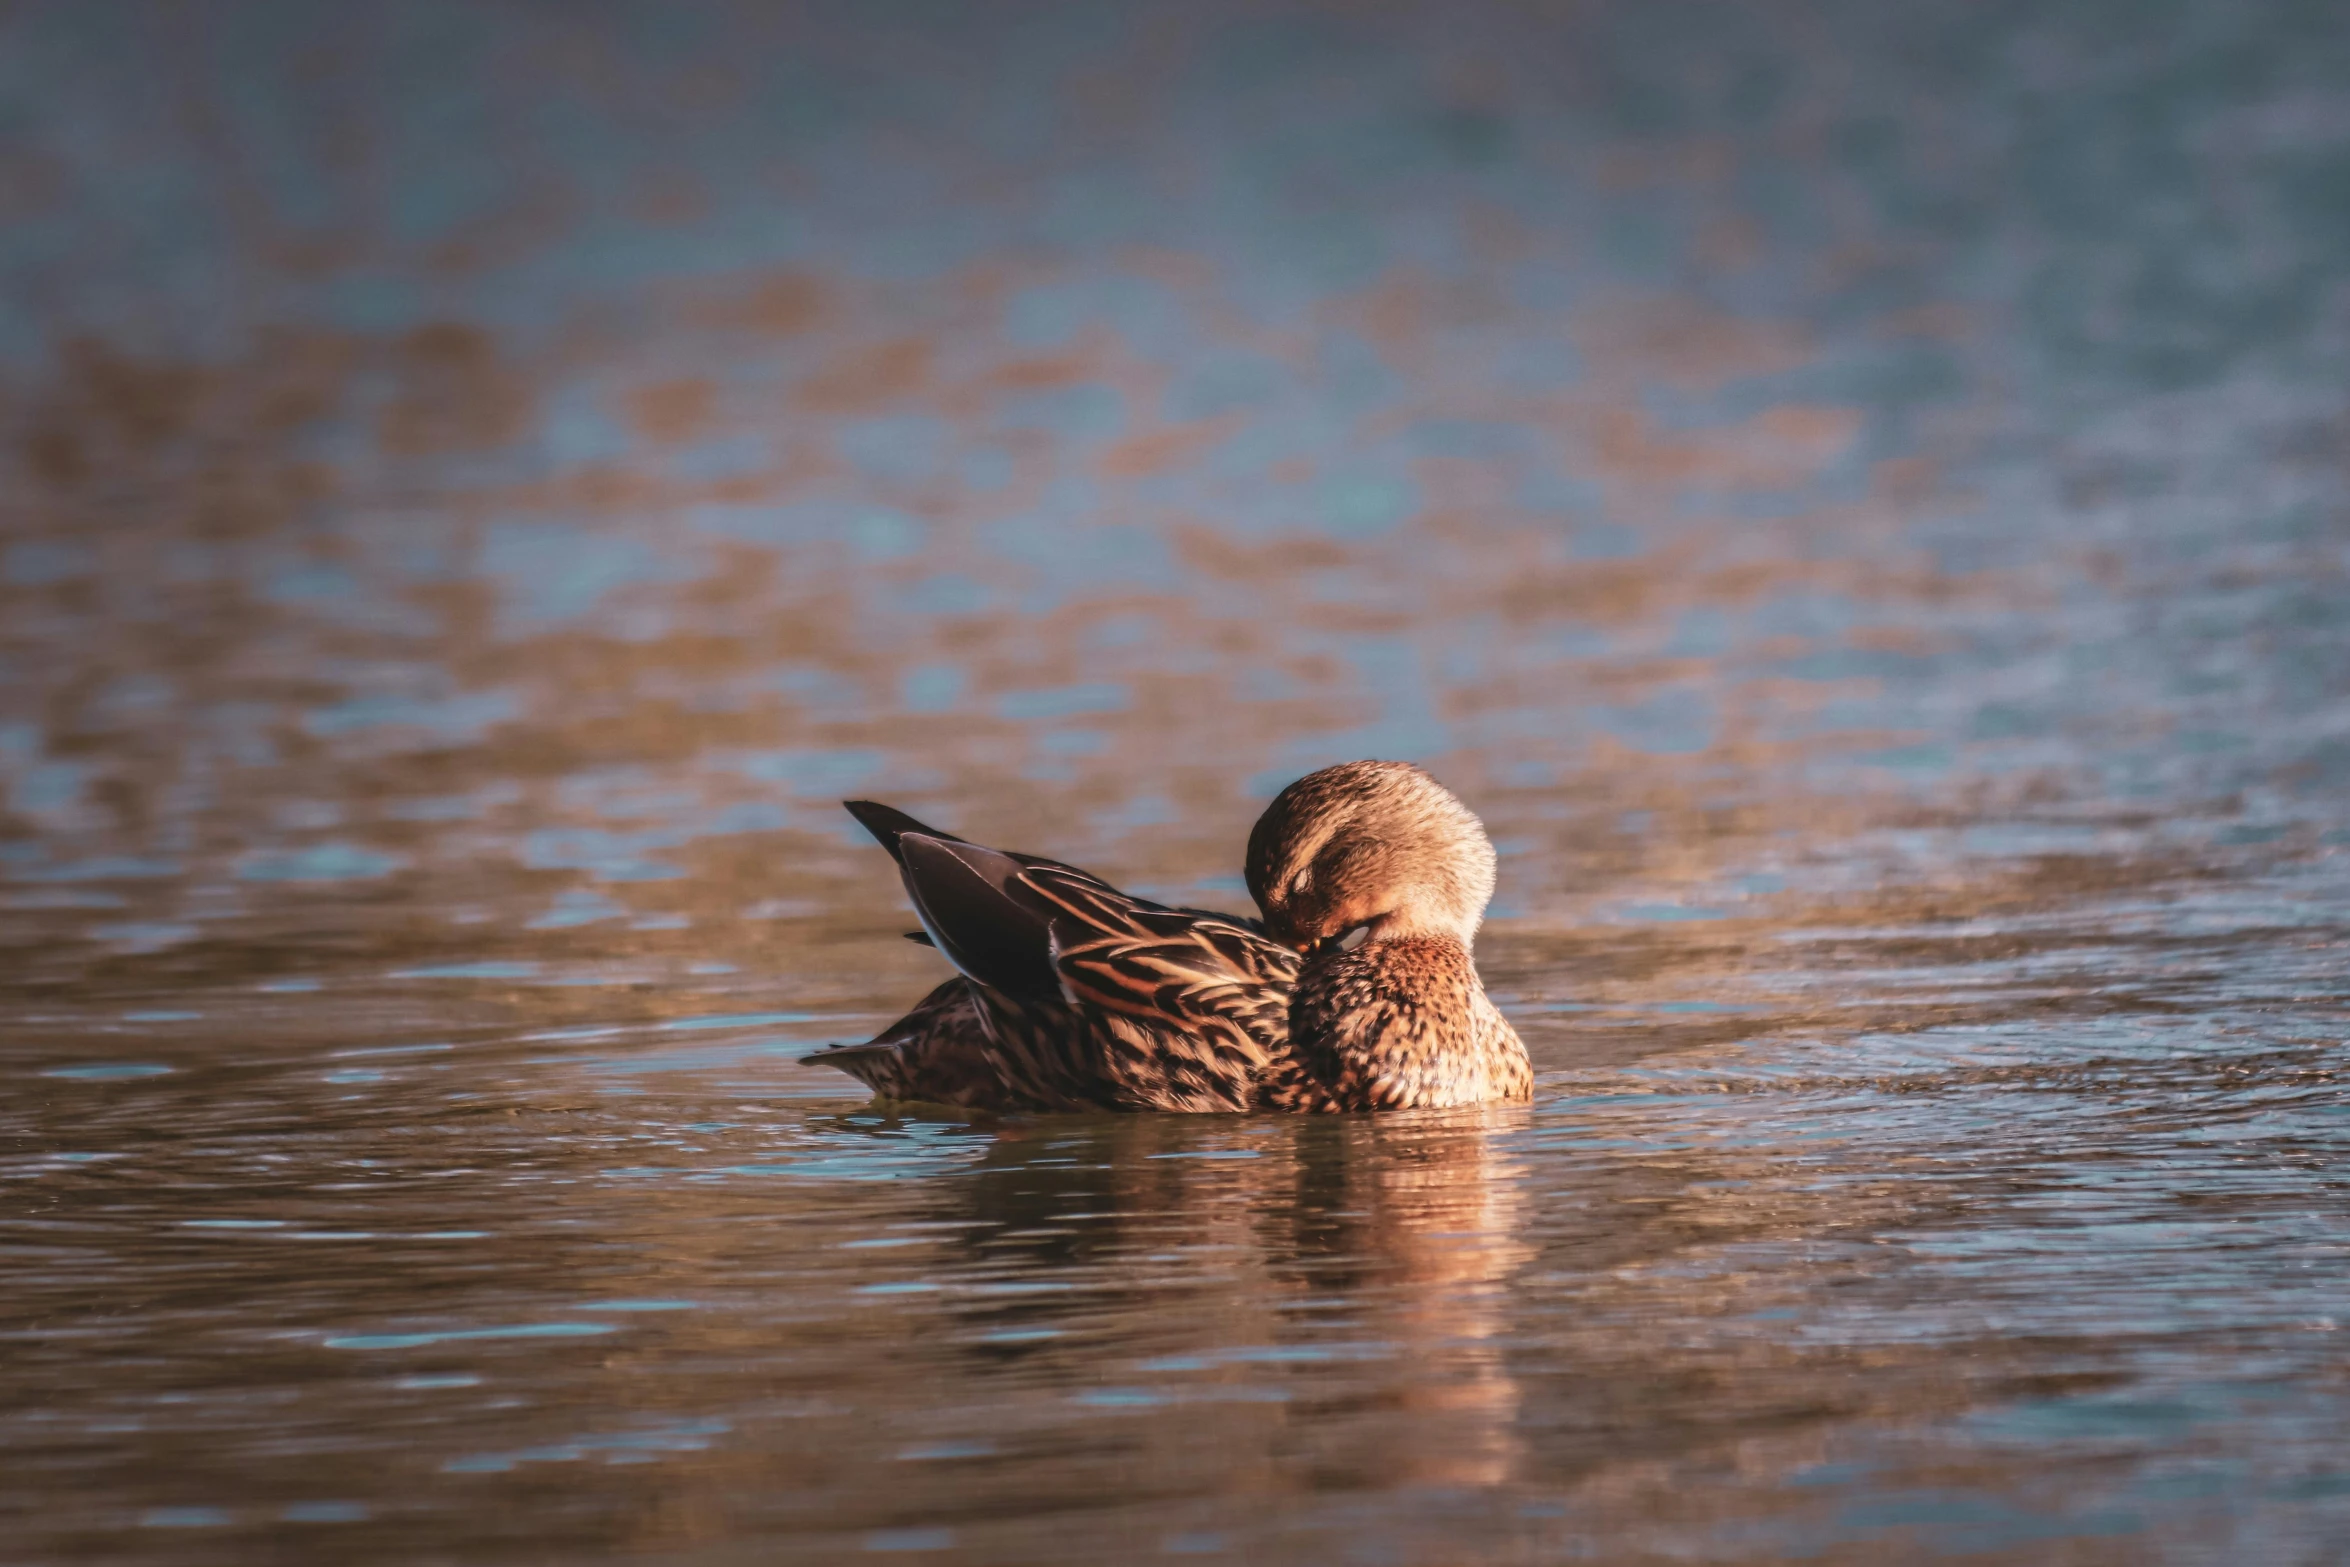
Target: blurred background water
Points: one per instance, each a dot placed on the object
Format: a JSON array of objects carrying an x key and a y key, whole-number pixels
[{"x": 1858, "y": 497}]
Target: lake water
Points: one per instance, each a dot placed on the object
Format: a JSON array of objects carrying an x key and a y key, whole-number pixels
[{"x": 1858, "y": 497}]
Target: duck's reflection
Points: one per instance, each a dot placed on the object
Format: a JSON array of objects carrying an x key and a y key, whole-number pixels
[{"x": 1353, "y": 1267}]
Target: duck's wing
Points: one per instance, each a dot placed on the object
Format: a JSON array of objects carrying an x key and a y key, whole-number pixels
[
  {"x": 1145, "y": 959},
  {"x": 1192, "y": 1008},
  {"x": 889, "y": 825},
  {"x": 1040, "y": 930},
  {"x": 1093, "y": 995}
]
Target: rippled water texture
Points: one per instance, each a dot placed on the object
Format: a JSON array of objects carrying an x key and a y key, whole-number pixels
[{"x": 1858, "y": 496}]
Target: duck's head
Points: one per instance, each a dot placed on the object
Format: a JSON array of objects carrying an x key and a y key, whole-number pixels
[{"x": 1378, "y": 848}]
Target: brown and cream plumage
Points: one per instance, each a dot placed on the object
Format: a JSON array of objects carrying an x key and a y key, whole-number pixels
[{"x": 1070, "y": 994}]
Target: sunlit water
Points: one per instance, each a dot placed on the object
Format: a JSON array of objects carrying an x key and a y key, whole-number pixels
[{"x": 1857, "y": 496}]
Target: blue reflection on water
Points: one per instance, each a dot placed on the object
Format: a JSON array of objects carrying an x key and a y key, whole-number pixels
[
  {"x": 930, "y": 688},
  {"x": 461, "y": 1335},
  {"x": 817, "y": 773},
  {"x": 33, "y": 563},
  {"x": 108, "y": 1071},
  {"x": 464, "y": 717},
  {"x": 1096, "y": 696},
  {"x": 548, "y": 573},
  {"x": 319, "y": 862}
]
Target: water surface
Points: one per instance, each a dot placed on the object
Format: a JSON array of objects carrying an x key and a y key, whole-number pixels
[{"x": 1858, "y": 500}]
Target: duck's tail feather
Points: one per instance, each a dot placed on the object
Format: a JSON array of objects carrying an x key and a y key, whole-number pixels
[
  {"x": 877, "y": 1063},
  {"x": 888, "y": 824},
  {"x": 859, "y": 1050},
  {"x": 938, "y": 1053}
]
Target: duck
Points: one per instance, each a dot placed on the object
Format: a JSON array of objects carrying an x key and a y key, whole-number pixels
[{"x": 1354, "y": 989}]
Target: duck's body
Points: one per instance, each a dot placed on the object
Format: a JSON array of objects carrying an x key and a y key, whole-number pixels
[{"x": 1072, "y": 995}]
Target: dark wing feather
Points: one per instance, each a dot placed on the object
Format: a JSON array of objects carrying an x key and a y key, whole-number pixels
[
  {"x": 973, "y": 902},
  {"x": 888, "y": 824}
]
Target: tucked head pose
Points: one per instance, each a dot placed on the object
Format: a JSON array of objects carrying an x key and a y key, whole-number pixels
[{"x": 1069, "y": 994}]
